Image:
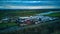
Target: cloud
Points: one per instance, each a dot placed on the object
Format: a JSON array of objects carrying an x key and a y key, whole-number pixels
[
  {"x": 28, "y": 7},
  {"x": 32, "y": 1},
  {"x": 23, "y": 1}
]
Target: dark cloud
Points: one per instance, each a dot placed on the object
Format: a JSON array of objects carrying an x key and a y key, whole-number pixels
[
  {"x": 31, "y": 3},
  {"x": 30, "y": 0},
  {"x": 10, "y": 3}
]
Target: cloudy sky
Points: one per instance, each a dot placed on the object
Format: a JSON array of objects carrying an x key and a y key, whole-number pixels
[{"x": 29, "y": 4}]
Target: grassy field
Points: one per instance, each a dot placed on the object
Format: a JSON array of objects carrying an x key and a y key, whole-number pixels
[
  {"x": 22, "y": 13},
  {"x": 12, "y": 13},
  {"x": 54, "y": 14},
  {"x": 6, "y": 25},
  {"x": 19, "y": 12},
  {"x": 16, "y": 13},
  {"x": 44, "y": 29}
]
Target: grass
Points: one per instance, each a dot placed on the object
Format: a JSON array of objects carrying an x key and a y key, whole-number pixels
[
  {"x": 26, "y": 13},
  {"x": 19, "y": 13},
  {"x": 23, "y": 13},
  {"x": 16, "y": 13},
  {"x": 4, "y": 25},
  {"x": 54, "y": 14},
  {"x": 44, "y": 28}
]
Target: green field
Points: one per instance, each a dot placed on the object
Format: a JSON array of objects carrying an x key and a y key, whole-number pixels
[
  {"x": 22, "y": 13},
  {"x": 19, "y": 12},
  {"x": 54, "y": 14},
  {"x": 16, "y": 13},
  {"x": 6, "y": 25},
  {"x": 13, "y": 13},
  {"x": 43, "y": 29}
]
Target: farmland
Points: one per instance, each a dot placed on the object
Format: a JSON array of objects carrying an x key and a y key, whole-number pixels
[{"x": 45, "y": 28}]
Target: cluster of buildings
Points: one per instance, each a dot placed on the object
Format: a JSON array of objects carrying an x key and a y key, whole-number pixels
[{"x": 27, "y": 20}]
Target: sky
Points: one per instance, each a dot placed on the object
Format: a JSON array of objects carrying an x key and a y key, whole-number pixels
[{"x": 29, "y": 4}]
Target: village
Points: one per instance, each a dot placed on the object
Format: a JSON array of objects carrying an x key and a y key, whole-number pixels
[{"x": 27, "y": 20}]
